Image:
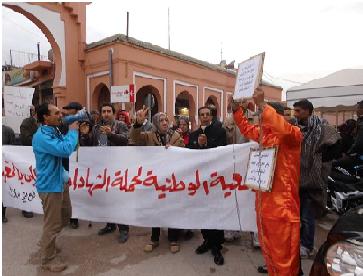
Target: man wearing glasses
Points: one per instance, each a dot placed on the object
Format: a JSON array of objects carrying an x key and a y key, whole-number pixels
[{"x": 207, "y": 136}]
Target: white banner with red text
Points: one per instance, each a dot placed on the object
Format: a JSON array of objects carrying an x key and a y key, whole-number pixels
[{"x": 144, "y": 186}]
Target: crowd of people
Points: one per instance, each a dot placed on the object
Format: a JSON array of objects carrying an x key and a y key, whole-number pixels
[{"x": 285, "y": 216}]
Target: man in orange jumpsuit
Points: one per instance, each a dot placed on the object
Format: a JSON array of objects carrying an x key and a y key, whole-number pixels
[{"x": 278, "y": 211}]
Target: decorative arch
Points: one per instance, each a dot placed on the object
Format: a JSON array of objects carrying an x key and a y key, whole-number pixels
[
  {"x": 32, "y": 13},
  {"x": 185, "y": 100},
  {"x": 212, "y": 100},
  {"x": 141, "y": 98},
  {"x": 101, "y": 94},
  {"x": 64, "y": 25}
]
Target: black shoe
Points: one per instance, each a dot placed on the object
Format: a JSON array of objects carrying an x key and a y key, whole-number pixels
[
  {"x": 27, "y": 214},
  {"x": 218, "y": 258},
  {"x": 204, "y": 247},
  {"x": 188, "y": 235},
  {"x": 5, "y": 220},
  {"x": 124, "y": 236},
  {"x": 106, "y": 230},
  {"x": 262, "y": 269},
  {"x": 74, "y": 224}
]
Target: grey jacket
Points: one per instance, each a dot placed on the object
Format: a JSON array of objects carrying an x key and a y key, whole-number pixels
[{"x": 118, "y": 137}]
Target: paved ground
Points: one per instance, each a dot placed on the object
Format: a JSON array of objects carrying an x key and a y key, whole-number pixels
[{"x": 89, "y": 254}]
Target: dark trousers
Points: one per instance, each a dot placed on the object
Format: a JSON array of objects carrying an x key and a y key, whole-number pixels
[
  {"x": 4, "y": 211},
  {"x": 173, "y": 234},
  {"x": 307, "y": 229},
  {"x": 121, "y": 227},
  {"x": 213, "y": 238}
]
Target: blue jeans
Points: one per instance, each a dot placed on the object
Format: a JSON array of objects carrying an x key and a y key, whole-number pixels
[{"x": 307, "y": 228}]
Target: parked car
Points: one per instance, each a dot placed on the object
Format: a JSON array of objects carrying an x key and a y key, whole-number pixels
[{"x": 342, "y": 252}]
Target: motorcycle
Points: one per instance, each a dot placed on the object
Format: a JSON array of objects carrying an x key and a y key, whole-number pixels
[{"x": 345, "y": 189}]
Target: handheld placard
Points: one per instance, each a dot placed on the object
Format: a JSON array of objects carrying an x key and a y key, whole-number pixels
[
  {"x": 249, "y": 77},
  {"x": 261, "y": 168}
]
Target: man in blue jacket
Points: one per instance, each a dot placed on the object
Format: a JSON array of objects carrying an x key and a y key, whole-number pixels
[{"x": 49, "y": 147}]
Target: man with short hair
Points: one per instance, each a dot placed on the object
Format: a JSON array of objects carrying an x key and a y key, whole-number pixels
[
  {"x": 209, "y": 135},
  {"x": 314, "y": 173},
  {"x": 110, "y": 132},
  {"x": 49, "y": 147},
  {"x": 27, "y": 129}
]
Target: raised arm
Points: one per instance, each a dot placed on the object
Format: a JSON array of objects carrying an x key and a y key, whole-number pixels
[
  {"x": 248, "y": 130},
  {"x": 278, "y": 124},
  {"x": 60, "y": 147}
]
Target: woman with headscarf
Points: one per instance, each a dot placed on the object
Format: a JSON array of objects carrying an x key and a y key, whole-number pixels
[
  {"x": 160, "y": 135},
  {"x": 183, "y": 129}
]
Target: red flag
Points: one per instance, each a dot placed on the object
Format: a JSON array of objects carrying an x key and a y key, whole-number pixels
[{"x": 132, "y": 93}]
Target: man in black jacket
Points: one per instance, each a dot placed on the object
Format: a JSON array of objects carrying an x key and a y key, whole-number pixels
[{"x": 209, "y": 135}]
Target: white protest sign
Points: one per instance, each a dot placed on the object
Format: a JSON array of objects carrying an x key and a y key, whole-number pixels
[
  {"x": 153, "y": 186},
  {"x": 18, "y": 101},
  {"x": 249, "y": 77},
  {"x": 261, "y": 168},
  {"x": 123, "y": 94}
]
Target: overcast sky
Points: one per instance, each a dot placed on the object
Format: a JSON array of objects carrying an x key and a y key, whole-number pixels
[{"x": 302, "y": 39}]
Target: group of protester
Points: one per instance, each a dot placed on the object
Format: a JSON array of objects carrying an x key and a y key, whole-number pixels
[{"x": 285, "y": 216}]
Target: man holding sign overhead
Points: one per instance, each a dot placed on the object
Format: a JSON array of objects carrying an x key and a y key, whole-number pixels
[{"x": 278, "y": 211}]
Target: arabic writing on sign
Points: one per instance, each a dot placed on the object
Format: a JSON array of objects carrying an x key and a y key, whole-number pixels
[
  {"x": 11, "y": 171},
  {"x": 128, "y": 183},
  {"x": 17, "y": 100},
  {"x": 23, "y": 196},
  {"x": 248, "y": 72},
  {"x": 260, "y": 168}
]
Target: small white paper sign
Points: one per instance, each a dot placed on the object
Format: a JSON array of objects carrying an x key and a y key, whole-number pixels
[
  {"x": 18, "y": 101},
  {"x": 122, "y": 94},
  {"x": 261, "y": 168},
  {"x": 249, "y": 76}
]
